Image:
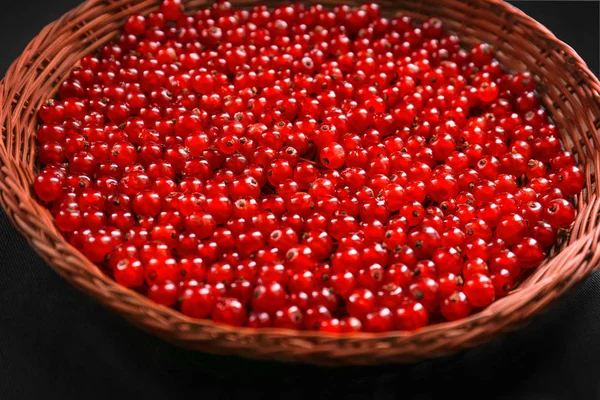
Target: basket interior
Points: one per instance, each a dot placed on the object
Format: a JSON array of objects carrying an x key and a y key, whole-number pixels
[{"x": 518, "y": 48}]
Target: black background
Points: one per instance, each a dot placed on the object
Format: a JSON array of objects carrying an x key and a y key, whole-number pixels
[{"x": 57, "y": 343}]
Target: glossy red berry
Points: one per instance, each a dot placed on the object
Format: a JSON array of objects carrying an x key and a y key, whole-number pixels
[
  {"x": 48, "y": 187},
  {"x": 456, "y": 306},
  {"x": 424, "y": 241},
  {"x": 129, "y": 273},
  {"x": 479, "y": 290},
  {"x": 198, "y": 301},
  {"x": 529, "y": 252},
  {"x": 381, "y": 320},
  {"x": 164, "y": 293},
  {"x": 559, "y": 213},
  {"x": 333, "y": 156},
  {"x": 268, "y": 298},
  {"x": 411, "y": 317},
  {"x": 425, "y": 290},
  {"x": 511, "y": 228},
  {"x": 360, "y": 303},
  {"x": 229, "y": 311}
]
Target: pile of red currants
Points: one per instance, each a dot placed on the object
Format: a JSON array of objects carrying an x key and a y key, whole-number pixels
[{"x": 304, "y": 167}]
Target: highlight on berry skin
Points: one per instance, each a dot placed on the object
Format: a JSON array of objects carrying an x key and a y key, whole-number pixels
[{"x": 304, "y": 167}]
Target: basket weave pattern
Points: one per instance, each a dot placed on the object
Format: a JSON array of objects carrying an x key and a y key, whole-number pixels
[{"x": 569, "y": 91}]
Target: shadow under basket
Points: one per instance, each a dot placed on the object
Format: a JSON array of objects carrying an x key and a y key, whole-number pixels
[{"x": 569, "y": 91}]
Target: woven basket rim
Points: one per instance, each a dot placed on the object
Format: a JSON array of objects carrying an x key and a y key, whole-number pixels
[{"x": 89, "y": 268}]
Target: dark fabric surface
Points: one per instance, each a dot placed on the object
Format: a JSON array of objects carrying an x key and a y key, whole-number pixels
[{"x": 55, "y": 342}]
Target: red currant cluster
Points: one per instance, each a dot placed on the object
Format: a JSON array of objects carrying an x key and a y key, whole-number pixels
[{"x": 304, "y": 168}]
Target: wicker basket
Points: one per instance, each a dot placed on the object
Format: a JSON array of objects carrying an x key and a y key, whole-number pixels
[{"x": 569, "y": 91}]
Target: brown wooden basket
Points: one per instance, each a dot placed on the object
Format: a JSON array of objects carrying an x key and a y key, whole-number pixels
[{"x": 568, "y": 89}]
